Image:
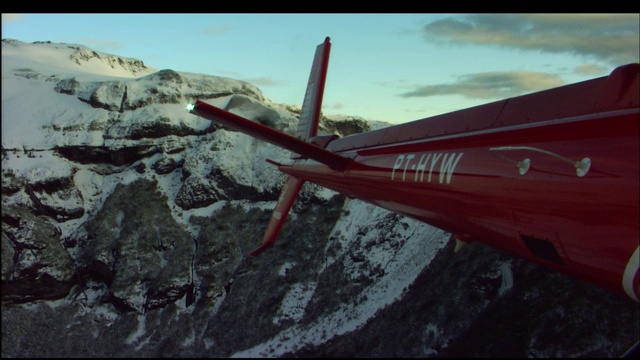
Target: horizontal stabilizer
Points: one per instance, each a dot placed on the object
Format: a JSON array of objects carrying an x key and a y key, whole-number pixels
[
  {"x": 272, "y": 136},
  {"x": 287, "y": 197}
]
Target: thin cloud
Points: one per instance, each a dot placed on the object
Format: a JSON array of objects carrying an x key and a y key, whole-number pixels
[
  {"x": 12, "y": 17},
  {"x": 334, "y": 106},
  {"x": 591, "y": 69},
  {"x": 490, "y": 85},
  {"x": 613, "y": 38},
  {"x": 109, "y": 45},
  {"x": 264, "y": 81},
  {"x": 216, "y": 30}
]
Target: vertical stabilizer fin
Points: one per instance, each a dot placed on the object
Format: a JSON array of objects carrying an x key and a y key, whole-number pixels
[{"x": 310, "y": 111}]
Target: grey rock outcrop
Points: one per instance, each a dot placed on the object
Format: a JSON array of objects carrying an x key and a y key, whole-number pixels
[
  {"x": 345, "y": 127},
  {"x": 165, "y": 165},
  {"x": 83, "y": 54},
  {"x": 255, "y": 110}
]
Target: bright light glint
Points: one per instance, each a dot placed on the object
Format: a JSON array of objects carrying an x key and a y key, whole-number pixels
[{"x": 190, "y": 107}]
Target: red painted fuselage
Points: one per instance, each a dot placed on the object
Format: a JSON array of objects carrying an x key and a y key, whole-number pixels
[{"x": 551, "y": 177}]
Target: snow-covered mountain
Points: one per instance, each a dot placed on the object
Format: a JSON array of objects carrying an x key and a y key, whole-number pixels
[{"x": 125, "y": 221}]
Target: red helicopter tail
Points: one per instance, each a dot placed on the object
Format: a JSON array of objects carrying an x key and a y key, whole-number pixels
[{"x": 300, "y": 145}]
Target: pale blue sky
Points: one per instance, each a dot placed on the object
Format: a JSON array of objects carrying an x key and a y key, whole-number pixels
[{"x": 390, "y": 67}]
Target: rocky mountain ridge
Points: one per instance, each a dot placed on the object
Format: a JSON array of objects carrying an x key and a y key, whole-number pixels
[{"x": 126, "y": 220}]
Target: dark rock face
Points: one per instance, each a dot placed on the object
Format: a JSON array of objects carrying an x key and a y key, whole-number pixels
[
  {"x": 55, "y": 196},
  {"x": 162, "y": 127},
  {"x": 197, "y": 192},
  {"x": 12, "y": 182},
  {"x": 107, "y": 155},
  {"x": 34, "y": 263},
  {"x": 202, "y": 191},
  {"x": 259, "y": 285},
  {"x": 135, "y": 246},
  {"x": 138, "y": 271},
  {"x": 165, "y": 165},
  {"x": 452, "y": 310}
]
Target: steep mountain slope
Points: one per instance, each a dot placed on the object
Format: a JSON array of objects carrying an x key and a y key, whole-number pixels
[{"x": 125, "y": 221}]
